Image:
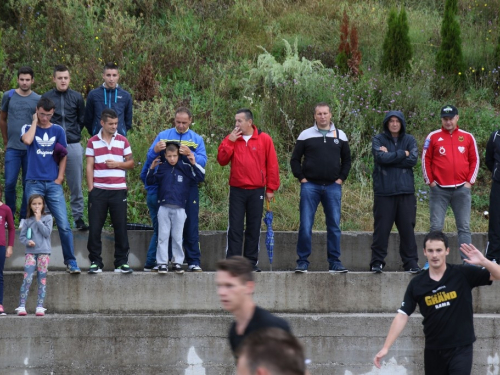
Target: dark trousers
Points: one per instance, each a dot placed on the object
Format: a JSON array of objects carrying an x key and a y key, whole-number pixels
[
  {"x": 493, "y": 248},
  {"x": 454, "y": 361},
  {"x": 100, "y": 202},
  {"x": 191, "y": 236},
  {"x": 243, "y": 203},
  {"x": 401, "y": 210},
  {"x": 3, "y": 252}
]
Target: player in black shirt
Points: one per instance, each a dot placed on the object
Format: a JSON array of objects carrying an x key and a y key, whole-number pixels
[
  {"x": 235, "y": 287},
  {"x": 443, "y": 294}
]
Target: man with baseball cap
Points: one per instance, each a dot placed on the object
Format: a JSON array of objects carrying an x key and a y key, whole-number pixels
[{"x": 450, "y": 163}]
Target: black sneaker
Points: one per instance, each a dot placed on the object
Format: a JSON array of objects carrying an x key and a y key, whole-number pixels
[
  {"x": 177, "y": 268},
  {"x": 80, "y": 224},
  {"x": 124, "y": 268},
  {"x": 337, "y": 268},
  {"x": 162, "y": 268},
  {"x": 94, "y": 268},
  {"x": 301, "y": 268},
  {"x": 256, "y": 269},
  {"x": 377, "y": 268},
  {"x": 414, "y": 270}
]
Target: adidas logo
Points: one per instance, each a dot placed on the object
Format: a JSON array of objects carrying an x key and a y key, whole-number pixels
[{"x": 45, "y": 141}]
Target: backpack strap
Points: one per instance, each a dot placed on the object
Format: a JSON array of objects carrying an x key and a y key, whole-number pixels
[{"x": 11, "y": 93}]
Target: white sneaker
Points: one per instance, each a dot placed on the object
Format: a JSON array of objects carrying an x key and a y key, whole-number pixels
[
  {"x": 21, "y": 223},
  {"x": 21, "y": 311},
  {"x": 40, "y": 311},
  {"x": 194, "y": 268}
]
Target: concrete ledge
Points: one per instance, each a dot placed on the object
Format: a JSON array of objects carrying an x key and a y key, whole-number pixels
[
  {"x": 356, "y": 252},
  {"x": 337, "y": 344},
  {"x": 315, "y": 292}
]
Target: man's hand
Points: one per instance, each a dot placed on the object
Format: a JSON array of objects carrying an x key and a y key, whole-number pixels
[
  {"x": 407, "y": 153},
  {"x": 59, "y": 181},
  {"x": 467, "y": 185},
  {"x": 433, "y": 183},
  {"x": 8, "y": 253},
  {"x": 338, "y": 181},
  {"x": 269, "y": 196},
  {"x": 160, "y": 146},
  {"x": 383, "y": 149},
  {"x": 235, "y": 134},
  {"x": 111, "y": 164},
  {"x": 381, "y": 354},
  {"x": 474, "y": 255},
  {"x": 185, "y": 150},
  {"x": 303, "y": 181}
]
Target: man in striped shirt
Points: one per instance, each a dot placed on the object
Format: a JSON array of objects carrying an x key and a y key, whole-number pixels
[{"x": 108, "y": 157}]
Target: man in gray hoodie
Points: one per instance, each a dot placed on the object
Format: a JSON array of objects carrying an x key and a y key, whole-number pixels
[{"x": 395, "y": 154}]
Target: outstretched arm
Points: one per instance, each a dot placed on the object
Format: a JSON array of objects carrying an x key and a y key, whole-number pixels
[
  {"x": 478, "y": 259},
  {"x": 397, "y": 326}
]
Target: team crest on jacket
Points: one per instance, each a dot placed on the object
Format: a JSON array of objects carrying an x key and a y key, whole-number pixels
[
  {"x": 461, "y": 139},
  {"x": 336, "y": 141},
  {"x": 461, "y": 149}
]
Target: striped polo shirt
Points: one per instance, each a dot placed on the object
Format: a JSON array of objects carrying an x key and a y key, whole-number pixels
[{"x": 104, "y": 177}]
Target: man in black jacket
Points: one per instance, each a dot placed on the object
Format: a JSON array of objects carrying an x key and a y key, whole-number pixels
[
  {"x": 395, "y": 154},
  {"x": 493, "y": 164},
  {"x": 69, "y": 113},
  {"x": 321, "y": 161}
]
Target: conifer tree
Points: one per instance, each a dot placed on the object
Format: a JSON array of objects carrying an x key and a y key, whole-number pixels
[
  {"x": 344, "y": 50},
  {"x": 449, "y": 59},
  {"x": 397, "y": 49}
]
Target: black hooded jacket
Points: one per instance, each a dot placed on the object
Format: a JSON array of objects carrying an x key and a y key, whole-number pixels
[{"x": 393, "y": 170}]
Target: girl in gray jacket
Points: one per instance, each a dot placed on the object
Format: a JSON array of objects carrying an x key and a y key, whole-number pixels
[{"x": 35, "y": 234}]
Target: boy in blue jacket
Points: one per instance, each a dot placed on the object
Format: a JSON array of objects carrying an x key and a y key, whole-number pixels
[{"x": 173, "y": 177}]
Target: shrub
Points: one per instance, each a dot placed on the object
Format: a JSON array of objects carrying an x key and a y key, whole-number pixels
[
  {"x": 397, "y": 49},
  {"x": 449, "y": 59}
]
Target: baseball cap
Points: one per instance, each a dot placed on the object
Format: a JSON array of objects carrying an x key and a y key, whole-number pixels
[{"x": 449, "y": 111}]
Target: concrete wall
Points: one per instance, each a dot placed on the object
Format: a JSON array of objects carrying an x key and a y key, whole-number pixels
[
  {"x": 337, "y": 344},
  {"x": 147, "y": 293},
  {"x": 356, "y": 252}
]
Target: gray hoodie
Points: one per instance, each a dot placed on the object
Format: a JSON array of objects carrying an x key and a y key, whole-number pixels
[{"x": 40, "y": 234}]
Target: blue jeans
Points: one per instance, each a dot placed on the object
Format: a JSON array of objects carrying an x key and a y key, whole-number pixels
[
  {"x": 330, "y": 197},
  {"x": 54, "y": 199},
  {"x": 14, "y": 161},
  {"x": 152, "y": 202}
]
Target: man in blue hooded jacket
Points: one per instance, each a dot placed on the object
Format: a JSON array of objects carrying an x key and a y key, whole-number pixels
[
  {"x": 109, "y": 95},
  {"x": 395, "y": 154}
]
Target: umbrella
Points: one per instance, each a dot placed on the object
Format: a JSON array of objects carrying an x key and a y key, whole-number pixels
[{"x": 268, "y": 219}]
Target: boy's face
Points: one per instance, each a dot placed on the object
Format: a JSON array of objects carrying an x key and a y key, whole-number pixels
[{"x": 172, "y": 157}]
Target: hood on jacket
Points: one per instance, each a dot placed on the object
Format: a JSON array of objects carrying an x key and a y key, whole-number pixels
[{"x": 401, "y": 118}]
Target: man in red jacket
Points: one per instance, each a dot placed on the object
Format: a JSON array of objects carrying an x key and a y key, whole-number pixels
[
  {"x": 254, "y": 174},
  {"x": 450, "y": 162}
]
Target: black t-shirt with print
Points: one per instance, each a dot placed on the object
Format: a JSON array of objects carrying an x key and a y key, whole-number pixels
[
  {"x": 261, "y": 319},
  {"x": 446, "y": 305}
]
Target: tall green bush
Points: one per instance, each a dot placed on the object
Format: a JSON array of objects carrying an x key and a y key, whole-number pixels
[
  {"x": 397, "y": 49},
  {"x": 449, "y": 59}
]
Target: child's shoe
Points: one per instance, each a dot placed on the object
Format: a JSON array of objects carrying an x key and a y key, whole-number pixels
[
  {"x": 40, "y": 311},
  {"x": 21, "y": 311},
  {"x": 2, "y": 312}
]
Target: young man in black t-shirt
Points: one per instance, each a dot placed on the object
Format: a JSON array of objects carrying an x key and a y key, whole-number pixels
[
  {"x": 444, "y": 296},
  {"x": 235, "y": 287}
]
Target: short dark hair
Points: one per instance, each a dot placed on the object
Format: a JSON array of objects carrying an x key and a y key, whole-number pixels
[
  {"x": 60, "y": 68},
  {"x": 184, "y": 110},
  {"x": 247, "y": 112},
  {"x": 46, "y": 104},
  {"x": 110, "y": 66},
  {"x": 322, "y": 104},
  {"x": 108, "y": 113},
  {"x": 274, "y": 349},
  {"x": 436, "y": 235},
  {"x": 172, "y": 147},
  {"x": 237, "y": 266},
  {"x": 26, "y": 70}
]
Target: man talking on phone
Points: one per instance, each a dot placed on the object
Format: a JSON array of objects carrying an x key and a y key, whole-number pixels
[{"x": 254, "y": 175}]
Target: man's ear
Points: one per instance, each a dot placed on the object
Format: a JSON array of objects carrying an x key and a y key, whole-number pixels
[
  {"x": 250, "y": 285},
  {"x": 262, "y": 371}
]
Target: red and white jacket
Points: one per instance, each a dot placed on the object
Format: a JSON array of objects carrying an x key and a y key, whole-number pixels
[
  {"x": 254, "y": 164},
  {"x": 450, "y": 160}
]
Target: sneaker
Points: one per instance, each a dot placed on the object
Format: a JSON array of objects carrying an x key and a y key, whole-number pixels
[
  {"x": 150, "y": 269},
  {"x": 301, "y": 267},
  {"x": 94, "y": 268},
  {"x": 2, "y": 312},
  {"x": 162, "y": 268},
  {"x": 124, "y": 268},
  {"x": 21, "y": 311},
  {"x": 414, "y": 270},
  {"x": 194, "y": 268},
  {"x": 377, "y": 267},
  {"x": 21, "y": 223},
  {"x": 177, "y": 268},
  {"x": 256, "y": 269},
  {"x": 337, "y": 268},
  {"x": 80, "y": 224},
  {"x": 40, "y": 311},
  {"x": 426, "y": 266},
  {"x": 72, "y": 267}
]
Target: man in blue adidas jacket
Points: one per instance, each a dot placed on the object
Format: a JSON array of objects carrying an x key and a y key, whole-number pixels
[
  {"x": 190, "y": 143},
  {"x": 109, "y": 95}
]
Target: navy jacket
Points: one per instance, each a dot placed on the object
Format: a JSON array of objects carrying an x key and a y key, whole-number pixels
[
  {"x": 493, "y": 155},
  {"x": 117, "y": 99},
  {"x": 174, "y": 181},
  {"x": 393, "y": 170}
]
